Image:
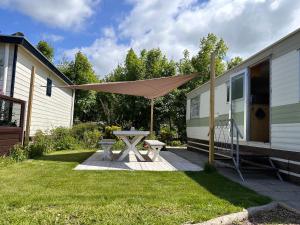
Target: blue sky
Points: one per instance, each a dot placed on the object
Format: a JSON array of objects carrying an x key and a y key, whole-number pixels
[
  {"x": 105, "y": 29},
  {"x": 106, "y": 14}
]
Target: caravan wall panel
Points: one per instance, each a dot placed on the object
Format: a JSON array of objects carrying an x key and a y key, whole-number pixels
[{"x": 285, "y": 102}]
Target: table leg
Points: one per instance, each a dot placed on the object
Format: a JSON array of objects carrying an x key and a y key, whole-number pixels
[
  {"x": 131, "y": 147},
  {"x": 156, "y": 153}
]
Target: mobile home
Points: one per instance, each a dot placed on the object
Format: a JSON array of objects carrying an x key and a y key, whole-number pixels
[
  {"x": 262, "y": 96},
  {"x": 51, "y": 107}
]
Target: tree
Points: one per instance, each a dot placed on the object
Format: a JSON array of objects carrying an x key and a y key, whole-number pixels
[
  {"x": 47, "y": 50},
  {"x": 234, "y": 62},
  {"x": 80, "y": 71},
  {"x": 201, "y": 62},
  {"x": 185, "y": 65}
]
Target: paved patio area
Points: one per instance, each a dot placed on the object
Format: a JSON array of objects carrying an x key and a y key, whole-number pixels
[
  {"x": 168, "y": 162},
  {"x": 266, "y": 185}
]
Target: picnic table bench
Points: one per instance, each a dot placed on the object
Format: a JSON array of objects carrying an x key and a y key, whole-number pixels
[
  {"x": 154, "y": 146},
  {"x": 106, "y": 145}
]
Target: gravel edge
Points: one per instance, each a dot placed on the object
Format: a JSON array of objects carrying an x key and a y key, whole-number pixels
[{"x": 245, "y": 214}]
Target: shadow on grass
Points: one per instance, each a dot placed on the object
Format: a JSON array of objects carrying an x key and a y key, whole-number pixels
[
  {"x": 228, "y": 190},
  {"x": 67, "y": 157}
]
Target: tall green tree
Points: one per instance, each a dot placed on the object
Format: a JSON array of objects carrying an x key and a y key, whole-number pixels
[
  {"x": 201, "y": 62},
  {"x": 185, "y": 65},
  {"x": 234, "y": 62},
  {"x": 47, "y": 50},
  {"x": 80, "y": 71}
]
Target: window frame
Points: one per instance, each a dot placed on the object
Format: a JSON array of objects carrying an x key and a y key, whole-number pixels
[
  {"x": 233, "y": 79},
  {"x": 192, "y": 116},
  {"x": 49, "y": 87}
]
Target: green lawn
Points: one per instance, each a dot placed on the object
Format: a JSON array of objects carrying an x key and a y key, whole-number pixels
[{"x": 48, "y": 191}]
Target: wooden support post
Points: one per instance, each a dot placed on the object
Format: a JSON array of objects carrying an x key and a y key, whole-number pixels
[
  {"x": 212, "y": 111},
  {"x": 151, "y": 116},
  {"x": 29, "y": 108}
]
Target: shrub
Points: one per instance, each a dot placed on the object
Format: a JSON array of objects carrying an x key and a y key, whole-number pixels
[
  {"x": 62, "y": 139},
  {"x": 109, "y": 131},
  {"x": 119, "y": 145},
  {"x": 42, "y": 141},
  {"x": 35, "y": 150},
  {"x": 175, "y": 143},
  {"x": 166, "y": 134},
  {"x": 152, "y": 136},
  {"x": 18, "y": 153},
  {"x": 78, "y": 130},
  {"x": 91, "y": 138}
]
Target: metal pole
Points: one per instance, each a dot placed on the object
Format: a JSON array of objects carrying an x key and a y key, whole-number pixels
[
  {"x": 151, "y": 116},
  {"x": 212, "y": 111},
  {"x": 29, "y": 108}
]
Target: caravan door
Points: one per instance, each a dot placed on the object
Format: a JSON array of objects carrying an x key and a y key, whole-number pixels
[{"x": 238, "y": 98}]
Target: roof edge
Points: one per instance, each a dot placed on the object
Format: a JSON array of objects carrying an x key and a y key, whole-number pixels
[
  {"x": 250, "y": 58},
  {"x": 33, "y": 50}
]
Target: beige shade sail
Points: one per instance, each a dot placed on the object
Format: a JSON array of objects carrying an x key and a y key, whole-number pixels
[{"x": 150, "y": 89}]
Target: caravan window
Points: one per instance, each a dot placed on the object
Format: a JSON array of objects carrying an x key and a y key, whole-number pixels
[
  {"x": 237, "y": 87},
  {"x": 227, "y": 92},
  {"x": 195, "y": 106}
]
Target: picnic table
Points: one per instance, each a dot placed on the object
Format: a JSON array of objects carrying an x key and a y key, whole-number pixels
[{"x": 131, "y": 139}]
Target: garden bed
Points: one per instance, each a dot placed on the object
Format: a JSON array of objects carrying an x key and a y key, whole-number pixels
[{"x": 276, "y": 216}]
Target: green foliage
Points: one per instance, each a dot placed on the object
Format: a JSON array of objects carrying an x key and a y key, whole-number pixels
[
  {"x": 109, "y": 131},
  {"x": 47, "y": 50},
  {"x": 167, "y": 134},
  {"x": 18, "y": 153},
  {"x": 119, "y": 145},
  {"x": 36, "y": 150},
  {"x": 152, "y": 136},
  {"x": 43, "y": 141},
  {"x": 201, "y": 62},
  {"x": 175, "y": 143},
  {"x": 79, "y": 129},
  {"x": 234, "y": 62},
  {"x": 91, "y": 138},
  {"x": 80, "y": 71},
  {"x": 62, "y": 139}
]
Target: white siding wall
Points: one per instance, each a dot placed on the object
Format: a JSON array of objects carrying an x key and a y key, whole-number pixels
[
  {"x": 197, "y": 132},
  {"x": 204, "y": 104},
  {"x": 47, "y": 112},
  {"x": 285, "y": 81},
  {"x": 221, "y": 107},
  {"x": 286, "y": 136}
]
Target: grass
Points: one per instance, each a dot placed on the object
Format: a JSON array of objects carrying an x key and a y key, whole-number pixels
[{"x": 48, "y": 191}]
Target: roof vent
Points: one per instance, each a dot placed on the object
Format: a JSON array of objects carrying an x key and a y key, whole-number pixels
[{"x": 20, "y": 34}]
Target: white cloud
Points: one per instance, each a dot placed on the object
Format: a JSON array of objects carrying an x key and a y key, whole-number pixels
[
  {"x": 246, "y": 26},
  {"x": 52, "y": 37},
  {"x": 57, "y": 13},
  {"x": 104, "y": 53}
]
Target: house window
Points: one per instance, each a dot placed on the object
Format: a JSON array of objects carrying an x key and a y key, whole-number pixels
[
  {"x": 195, "y": 106},
  {"x": 237, "y": 87},
  {"x": 227, "y": 92},
  {"x": 49, "y": 87}
]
